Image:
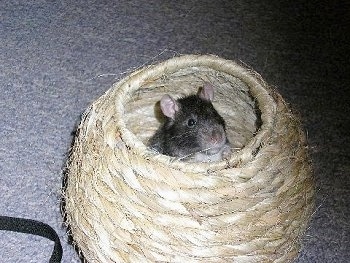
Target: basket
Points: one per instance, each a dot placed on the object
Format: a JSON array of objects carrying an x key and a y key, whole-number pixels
[{"x": 126, "y": 203}]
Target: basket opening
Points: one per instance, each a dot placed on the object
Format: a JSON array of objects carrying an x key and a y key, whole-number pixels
[{"x": 232, "y": 100}]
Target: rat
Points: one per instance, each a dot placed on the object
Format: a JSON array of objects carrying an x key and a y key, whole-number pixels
[{"x": 193, "y": 129}]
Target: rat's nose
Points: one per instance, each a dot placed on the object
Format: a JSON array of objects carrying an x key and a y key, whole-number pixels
[{"x": 216, "y": 136}]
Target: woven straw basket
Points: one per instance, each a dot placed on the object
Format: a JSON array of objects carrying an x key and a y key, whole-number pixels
[{"x": 125, "y": 203}]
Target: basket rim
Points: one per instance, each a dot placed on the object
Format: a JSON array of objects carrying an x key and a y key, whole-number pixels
[{"x": 257, "y": 86}]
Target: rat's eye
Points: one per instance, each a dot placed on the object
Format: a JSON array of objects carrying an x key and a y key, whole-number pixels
[{"x": 191, "y": 123}]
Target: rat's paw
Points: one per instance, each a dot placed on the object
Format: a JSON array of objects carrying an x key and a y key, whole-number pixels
[{"x": 226, "y": 152}]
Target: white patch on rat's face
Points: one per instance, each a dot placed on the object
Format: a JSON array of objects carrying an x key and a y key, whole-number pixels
[{"x": 223, "y": 153}]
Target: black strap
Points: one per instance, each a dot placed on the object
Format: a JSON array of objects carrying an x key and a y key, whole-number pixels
[{"x": 29, "y": 226}]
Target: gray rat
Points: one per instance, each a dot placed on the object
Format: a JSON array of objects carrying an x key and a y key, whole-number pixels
[{"x": 193, "y": 129}]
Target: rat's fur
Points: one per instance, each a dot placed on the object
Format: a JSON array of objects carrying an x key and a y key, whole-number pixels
[{"x": 205, "y": 141}]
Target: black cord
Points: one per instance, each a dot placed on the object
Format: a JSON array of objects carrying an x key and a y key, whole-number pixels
[{"x": 29, "y": 226}]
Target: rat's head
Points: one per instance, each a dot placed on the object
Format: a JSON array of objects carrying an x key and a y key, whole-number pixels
[{"x": 193, "y": 125}]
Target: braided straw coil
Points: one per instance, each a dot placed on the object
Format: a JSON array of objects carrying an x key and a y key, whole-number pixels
[{"x": 126, "y": 203}]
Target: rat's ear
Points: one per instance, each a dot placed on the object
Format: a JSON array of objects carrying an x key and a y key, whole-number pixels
[
  {"x": 169, "y": 106},
  {"x": 206, "y": 92}
]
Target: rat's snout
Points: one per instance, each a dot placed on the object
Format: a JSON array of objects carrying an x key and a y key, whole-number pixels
[{"x": 217, "y": 136}]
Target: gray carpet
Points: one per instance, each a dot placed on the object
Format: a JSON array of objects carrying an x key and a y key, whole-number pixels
[{"x": 56, "y": 57}]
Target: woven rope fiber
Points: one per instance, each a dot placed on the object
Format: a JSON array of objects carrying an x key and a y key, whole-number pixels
[{"x": 126, "y": 203}]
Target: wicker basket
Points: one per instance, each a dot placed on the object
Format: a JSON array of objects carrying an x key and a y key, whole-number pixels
[{"x": 125, "y": 203}]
